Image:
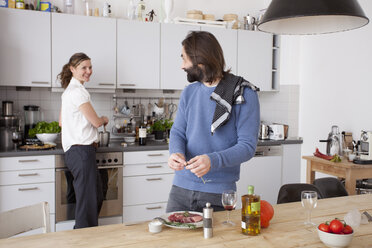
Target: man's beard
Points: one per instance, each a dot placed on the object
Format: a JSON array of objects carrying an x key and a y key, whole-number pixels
[{"x": 194, "y": 73}]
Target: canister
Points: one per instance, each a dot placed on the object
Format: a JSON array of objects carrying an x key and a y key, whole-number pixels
[{"x": 45, "y": 6}]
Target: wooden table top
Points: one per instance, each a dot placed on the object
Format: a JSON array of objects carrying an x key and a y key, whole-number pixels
[
  {"x": 286, "y": 230},
  {"x": 344, "y": 163}
]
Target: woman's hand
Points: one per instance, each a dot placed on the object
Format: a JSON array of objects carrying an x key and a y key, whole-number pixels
[
  {"x": 176, "y": 161},
  {"x": 199, "y": 165}
]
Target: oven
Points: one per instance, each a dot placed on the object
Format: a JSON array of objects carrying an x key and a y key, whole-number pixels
[{"x": 110, "y": 167}]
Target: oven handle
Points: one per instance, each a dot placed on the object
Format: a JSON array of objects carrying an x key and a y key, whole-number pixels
[{"x": 99, "y": 167}]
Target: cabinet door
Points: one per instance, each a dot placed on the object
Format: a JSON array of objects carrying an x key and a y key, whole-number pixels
[
  {"x": 171, "y": 74},
  {"x": 25, "y": 48},
  {"x": 264, "y": 173},
  {"x": 94, "y": 36},
  {"x": 138, "y": 55},
  {"x": 228, "y": 39},
  {"x": 255, "y": 52},
  {"x": 291, "y": 164}
]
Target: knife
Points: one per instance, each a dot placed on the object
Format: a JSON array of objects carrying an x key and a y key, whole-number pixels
[{"x": 369, "y": 217}]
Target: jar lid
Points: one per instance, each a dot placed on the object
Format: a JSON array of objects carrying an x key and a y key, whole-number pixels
[{"x": 31, "y": 107}]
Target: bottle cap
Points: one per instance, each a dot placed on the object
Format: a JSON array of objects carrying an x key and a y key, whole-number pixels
[{"x": 250, "y": 189}]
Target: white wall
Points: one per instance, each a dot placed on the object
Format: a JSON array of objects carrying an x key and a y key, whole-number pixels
[
  {"x": 216, "y": 7},
  {"x": 335, "y": 84}
]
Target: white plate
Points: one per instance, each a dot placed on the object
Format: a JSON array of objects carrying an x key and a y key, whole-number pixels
[{"x": 197, "y": 224}]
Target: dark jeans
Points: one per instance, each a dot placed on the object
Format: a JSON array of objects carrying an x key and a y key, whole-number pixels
[
  {"x": 81, "y": 161},
  {"x": 181, "y": 199}
]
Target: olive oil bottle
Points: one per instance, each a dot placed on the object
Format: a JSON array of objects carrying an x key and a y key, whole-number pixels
[{"x": 251, "y": 205}]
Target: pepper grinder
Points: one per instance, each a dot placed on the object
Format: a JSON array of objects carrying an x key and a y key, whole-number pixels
[{"x": 207, "y": 221}]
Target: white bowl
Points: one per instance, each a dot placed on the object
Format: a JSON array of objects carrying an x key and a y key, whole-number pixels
[
  {"x": 47, "y": 137},
  {"x": 129, "y": 139},
  {"x": 335, "y": 240}
]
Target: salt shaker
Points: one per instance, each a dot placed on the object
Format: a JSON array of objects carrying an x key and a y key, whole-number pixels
[{"x": 207, "y": 221}]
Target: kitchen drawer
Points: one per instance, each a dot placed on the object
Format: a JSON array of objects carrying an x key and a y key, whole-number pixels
[
  {"x": 146, "y": 169},
  {"x": 146, "y": 157},
  {"x": 146, "y": 189},
  {"x": 139, "y": 213},
  {"x": 27, "y": 163},
  {"x": 16, "y": 196},
  {"x": 26, "y": 176}
]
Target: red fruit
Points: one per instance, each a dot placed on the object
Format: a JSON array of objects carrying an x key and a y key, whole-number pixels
[
  {"x": 336, "y": 226},
  {"x": 347, "y": 229},
  {"x": 324, "y": 227},
  {"x": 267, "y": 213}
]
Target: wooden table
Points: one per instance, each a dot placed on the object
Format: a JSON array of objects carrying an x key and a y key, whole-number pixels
[
  {"x": 345, "y": 169},
  {"x": 286, "y": 230}
]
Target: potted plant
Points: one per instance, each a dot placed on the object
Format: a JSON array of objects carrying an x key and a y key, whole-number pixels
[{"x": 159, "y": 127}]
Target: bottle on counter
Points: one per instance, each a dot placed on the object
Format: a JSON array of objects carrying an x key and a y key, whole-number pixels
[
  {"x": 251, "y": 209},
  {"x": 140, "y": 11},
  {"x": 208, "y": 221},
  {"x": 142, "y": 134}
]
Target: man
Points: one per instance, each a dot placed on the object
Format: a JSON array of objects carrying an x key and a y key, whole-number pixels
[{"x": 215, "y": 130}]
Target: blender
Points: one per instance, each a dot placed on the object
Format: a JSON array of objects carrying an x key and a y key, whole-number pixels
[{"x": 32, "y": 117}]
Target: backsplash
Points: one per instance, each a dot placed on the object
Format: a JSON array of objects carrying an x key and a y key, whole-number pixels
[{"x": 280, "y": 107}]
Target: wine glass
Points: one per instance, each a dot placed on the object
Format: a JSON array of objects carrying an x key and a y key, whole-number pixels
[
  {"x": 229, "y": 203},
  {"x": 16, "y": 138},
  {"x": 309, "y": 200}
]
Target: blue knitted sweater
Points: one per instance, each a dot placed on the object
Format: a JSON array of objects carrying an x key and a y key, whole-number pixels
[{"x": 231, "y": 144}]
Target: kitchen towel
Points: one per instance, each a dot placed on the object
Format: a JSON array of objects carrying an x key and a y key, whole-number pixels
[{"x": 229, "y": 91}]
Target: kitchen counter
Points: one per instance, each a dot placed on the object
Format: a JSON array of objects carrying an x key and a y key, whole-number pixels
[
  {"x": 286, "y": 230},
  {"x": 115, "y": 146}
]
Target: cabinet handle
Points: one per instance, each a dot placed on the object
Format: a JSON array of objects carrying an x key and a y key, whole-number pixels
[
  {"x": 106, "y": 84},
  {"x": 153, "y": 166},
  {"x": 152, "y": 208},
  {"x": 28, "y": 161},
  {"x": 127, "y": 84},
  {"x": 26, "y": 189},
  {"x": 27, "y": 175},
  {"x": 34, "y": 82},
  {"x": 155, "y": 155},
  {"x": 154, "y": 179}
]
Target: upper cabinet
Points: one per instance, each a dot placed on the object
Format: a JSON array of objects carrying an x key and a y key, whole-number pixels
[
  {"x": 228, "y": 39},
  {"x": 94, "y": 36},
  {"x": 25, "y": 48},
  {"x": 138, "y": 54},
  {"x": 171, "y": 74},
  {"x": 255, "y": 58}
]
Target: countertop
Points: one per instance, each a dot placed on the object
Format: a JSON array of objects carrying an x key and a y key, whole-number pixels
[
  {"x": 115, "y": 146},
  {"x": 286, "y": 230}
]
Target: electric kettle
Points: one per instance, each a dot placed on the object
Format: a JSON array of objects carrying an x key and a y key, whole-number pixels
[{"x": 334, "y": 142}]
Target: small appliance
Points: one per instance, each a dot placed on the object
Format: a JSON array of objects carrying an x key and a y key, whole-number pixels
[
  {"x": 276, "y": 132},
  {"x": 334, "y": 142},
  {"x": 366, "y": 145},
  {"x": 264, "y": 131}
]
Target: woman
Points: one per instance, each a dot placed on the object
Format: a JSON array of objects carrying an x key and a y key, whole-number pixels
[{"x": 79, "y": 122}]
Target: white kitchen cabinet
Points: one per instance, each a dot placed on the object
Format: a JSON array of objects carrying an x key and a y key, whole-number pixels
[
  {"x": 171, "y": 74},
  {"x": 291, "y": 164},
  {"x": 228, "y": 39},
  {"x": 147, "y": 181},
  {"x": 27, "y": 180},
  {"x": 94, "y": 36},
  {"x": 25, "y": 48},
  {"x": 138, "y": 54},
  {"x": 255, "y": 58},
  {"x": 264, "y": 173}
]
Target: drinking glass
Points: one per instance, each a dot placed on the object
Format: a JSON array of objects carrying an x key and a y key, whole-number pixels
[
  {"x": 16, "y": 138},
  {"x": 309, "y": 200},
  {"x": 229, "y": 202}
]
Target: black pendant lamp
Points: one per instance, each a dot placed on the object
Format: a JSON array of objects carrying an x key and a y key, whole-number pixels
[{"x": 312, "y": 16}]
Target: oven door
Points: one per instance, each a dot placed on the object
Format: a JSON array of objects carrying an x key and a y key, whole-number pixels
[{"x": 112, "y": 187}]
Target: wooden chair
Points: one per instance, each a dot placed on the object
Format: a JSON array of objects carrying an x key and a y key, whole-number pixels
[
  {"x": 292, "y": 192},
  {"x": 25, "y": 219}
]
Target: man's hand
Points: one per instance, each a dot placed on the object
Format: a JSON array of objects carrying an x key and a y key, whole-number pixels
[
  {"x": 176, "y": 161},
  {"x": 199, "y": 165}
]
